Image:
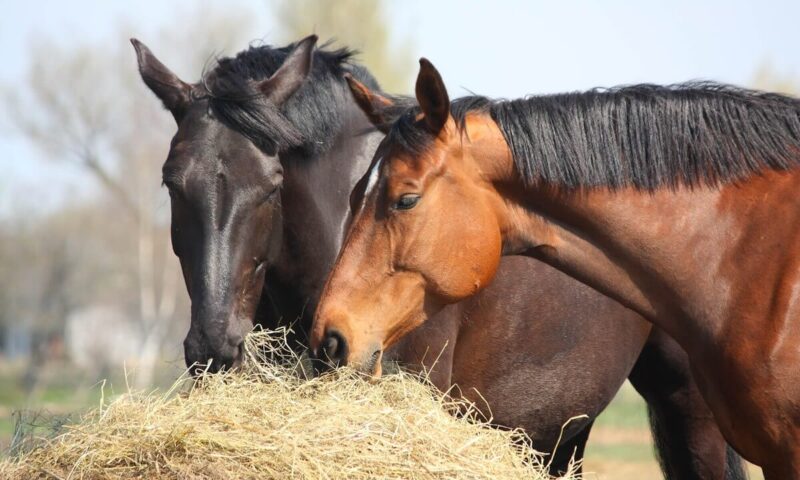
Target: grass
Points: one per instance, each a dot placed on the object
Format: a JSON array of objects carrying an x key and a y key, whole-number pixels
[
  {"x": 51, "y": 399},
  {"x": 60, "y": 392},
  {"x": 620, "y": 446},
  {"x": 7, "y": 423},
  {"x": 628, "y": 453},
  {"x": 627, "y": 411}
]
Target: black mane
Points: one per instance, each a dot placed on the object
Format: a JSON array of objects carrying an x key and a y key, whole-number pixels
[
  {"x": 309, "y": 120},
  {"x": 645, "y": 136}
]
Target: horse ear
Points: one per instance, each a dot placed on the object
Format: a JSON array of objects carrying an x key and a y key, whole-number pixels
[
  {"x": 173, "y": 92},
  {"x": 432, "y": 96},
  {"x": 375, "y": 106},
  {"x": 292, "y": 73}
]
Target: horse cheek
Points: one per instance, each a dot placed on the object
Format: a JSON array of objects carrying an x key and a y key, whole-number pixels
[{"x": 489, "y": 261}]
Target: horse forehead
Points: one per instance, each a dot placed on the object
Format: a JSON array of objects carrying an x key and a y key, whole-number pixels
[
  {"x": 201, "y": 130},
  {"x": 209, "y": 147},
  {"x": 398, "y": 168},
  {"x": 405, "y": 168}
]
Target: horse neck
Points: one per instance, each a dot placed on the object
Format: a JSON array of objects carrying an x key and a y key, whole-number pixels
[
  {"x": 315, "y": 203},
  {"x": 685, "y": 259}
]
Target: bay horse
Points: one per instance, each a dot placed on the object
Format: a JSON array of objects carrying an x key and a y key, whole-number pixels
[
  {"x": 680, "y": 202},
  {"x": 270, "y": 144}
]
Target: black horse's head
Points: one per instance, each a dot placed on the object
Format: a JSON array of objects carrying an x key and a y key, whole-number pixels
[{"x": 224, "y": 179}]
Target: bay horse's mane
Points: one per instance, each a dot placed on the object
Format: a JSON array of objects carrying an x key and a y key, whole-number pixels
[
  {"x": 309, "y": 120},
  {"x": 642, "y": 136}
]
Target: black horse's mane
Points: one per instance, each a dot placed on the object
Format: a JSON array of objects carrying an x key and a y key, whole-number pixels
[
  {"x": 643, "y": 136},
  {"x": 309, "y": 120}
]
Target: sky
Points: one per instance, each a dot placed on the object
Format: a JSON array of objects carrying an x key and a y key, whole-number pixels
[{"x": 501, "y": 48}]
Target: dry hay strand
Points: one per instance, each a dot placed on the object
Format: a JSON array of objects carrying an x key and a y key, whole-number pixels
[{"x": 266, "y": 421}]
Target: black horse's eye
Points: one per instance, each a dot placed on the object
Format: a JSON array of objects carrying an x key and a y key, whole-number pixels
[
  {"x": 270, "y": 196},
  {"x": 172, "y": 186},
  {"x": 407, "y": 201}
]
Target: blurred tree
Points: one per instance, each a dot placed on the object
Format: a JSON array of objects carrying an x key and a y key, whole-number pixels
[
  {"x": 87, "y": 105},
  {"x": 359, "y": 24},
  {"x": 768, "y": 79}
]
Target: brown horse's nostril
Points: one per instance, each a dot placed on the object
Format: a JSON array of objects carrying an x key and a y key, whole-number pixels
[{"x": 334, "y": 348}]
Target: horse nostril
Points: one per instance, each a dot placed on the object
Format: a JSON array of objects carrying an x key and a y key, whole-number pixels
[
  {"x": 238, "y": 358},
  {"x": 236, "y": 341},
  {"x": 334, "y": 348},
  {"x": 331, "y": 343}
]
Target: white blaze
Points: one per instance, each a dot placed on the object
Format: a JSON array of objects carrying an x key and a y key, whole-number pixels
[{"x": 373, "y": 179}]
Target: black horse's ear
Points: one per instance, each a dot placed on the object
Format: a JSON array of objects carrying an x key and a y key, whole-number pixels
[
  {"x": 292, "y": 73},
  {"x": 375, "y": 106},
  {"x": 432, "y": 96},
  {"x": 173, "y": 92}
]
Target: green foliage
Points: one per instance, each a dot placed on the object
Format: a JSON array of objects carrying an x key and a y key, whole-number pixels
[
  {"x": 359, "y": 24},
  {"x": 768, "y": 79}
]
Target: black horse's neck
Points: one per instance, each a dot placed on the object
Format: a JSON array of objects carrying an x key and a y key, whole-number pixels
[{"x": 315, "y": 204}]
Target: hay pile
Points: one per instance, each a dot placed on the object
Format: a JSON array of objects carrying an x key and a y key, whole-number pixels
[{"x": 266, "y": 422}]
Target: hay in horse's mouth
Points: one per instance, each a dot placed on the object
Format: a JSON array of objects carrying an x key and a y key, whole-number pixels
[{"x": 265, "y": 421}]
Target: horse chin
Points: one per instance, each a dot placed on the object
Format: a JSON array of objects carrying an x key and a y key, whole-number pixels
[
  {"x": 372, "y": 366},
  {"x": 377, "y": 369}
]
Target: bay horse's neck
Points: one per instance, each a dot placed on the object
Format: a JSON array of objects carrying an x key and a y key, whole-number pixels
[
  {"x": 685, "y": 258},
  {"x": 642, "y": 250}
]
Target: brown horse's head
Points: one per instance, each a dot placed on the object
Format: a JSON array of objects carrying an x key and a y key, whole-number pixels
[
  {"x": 425, "y": 231},
  {"x": 224, "y": 187}
]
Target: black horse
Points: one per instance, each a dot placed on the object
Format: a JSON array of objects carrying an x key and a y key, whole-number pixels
[{"x": 269, "y": 146}]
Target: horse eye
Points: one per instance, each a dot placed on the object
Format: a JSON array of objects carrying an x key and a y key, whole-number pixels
[
  {"x": 407, "y": 201},
  {"x": 172, "y": 187},
  {"x": 270, "y": 196}
]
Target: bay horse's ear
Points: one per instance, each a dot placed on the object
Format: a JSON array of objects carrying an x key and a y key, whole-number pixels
[
  {"x": 432, "y": 96},
  {"x": 173, "y": 92},
  {"x": 374, "y": 105},
  {"x": 292, "y": 73}
]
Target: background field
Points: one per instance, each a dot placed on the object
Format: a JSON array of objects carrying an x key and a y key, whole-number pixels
[{"x": 621, "y": 447}]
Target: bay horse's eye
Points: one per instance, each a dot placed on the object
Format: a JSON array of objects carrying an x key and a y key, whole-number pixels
[{"x": 407, "y": 201}]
